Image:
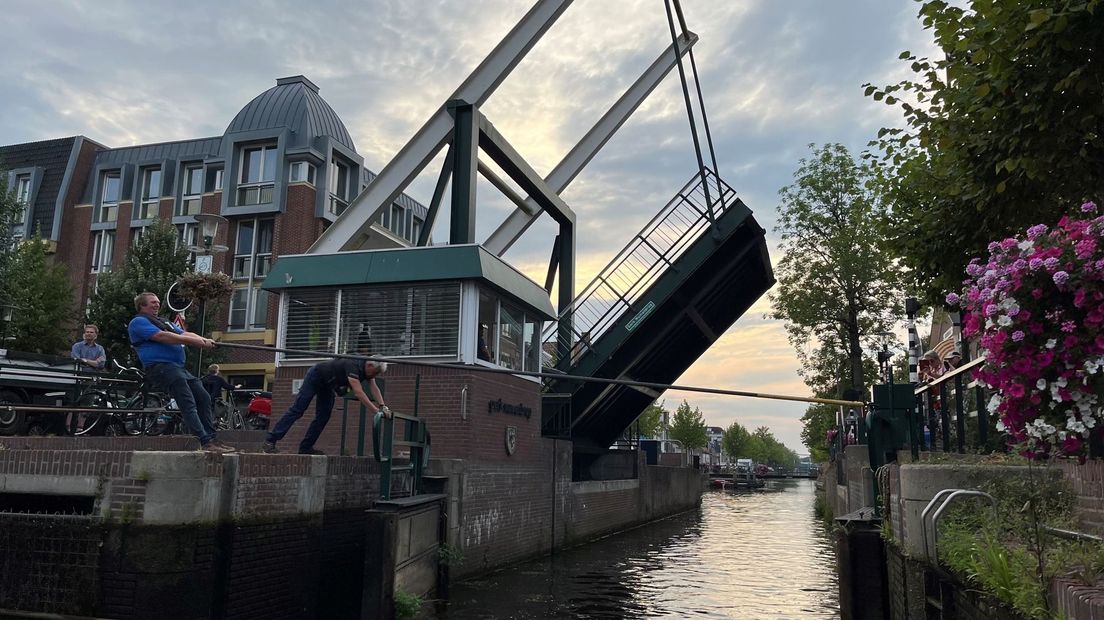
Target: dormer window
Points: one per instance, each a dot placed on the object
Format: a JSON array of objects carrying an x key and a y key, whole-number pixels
[
  {"x": 191, "y": 198},
  {"x": 151, "y": 194},
  {"x": 110, "y": 185},
  {"x": 23, "y": 196},
  {"x": 258, "y": 175}
]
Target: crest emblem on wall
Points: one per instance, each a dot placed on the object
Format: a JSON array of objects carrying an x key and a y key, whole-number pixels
[{"x": 511, "y": 440}]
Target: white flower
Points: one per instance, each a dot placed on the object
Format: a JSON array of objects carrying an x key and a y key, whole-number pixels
[
  {"x": 1004, "y": 320},
  {"x": 1053, "y": 342},
  {"x": 994, "y": 402},
  {"x": 1026, "y": 245},
  {"x": 1040, "y": 384},
  {"x": 1060, "y": 382},
  {"x": 1000, "y": 425}
]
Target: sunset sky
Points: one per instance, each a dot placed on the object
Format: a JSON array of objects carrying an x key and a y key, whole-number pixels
[{"x": 776, "y": 77}]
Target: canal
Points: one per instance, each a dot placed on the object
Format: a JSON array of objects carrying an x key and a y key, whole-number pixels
[{"x": 742, "y": 555}]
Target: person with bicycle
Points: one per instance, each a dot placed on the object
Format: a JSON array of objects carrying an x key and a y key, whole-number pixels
[
  {"x": 323, "y": 381},
  {"x": 160, "y": 347}
]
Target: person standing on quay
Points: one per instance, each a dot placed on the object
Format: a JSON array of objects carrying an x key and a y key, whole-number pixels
[
  {"x": 87, "y": 352},
  {"x": 323, "y": 381},
  {"x": 160, "y": 347}
]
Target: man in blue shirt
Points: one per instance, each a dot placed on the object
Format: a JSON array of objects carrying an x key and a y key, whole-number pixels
[
  {"x": 160, "y": 347},
  {"x": 87, "y": 352}
]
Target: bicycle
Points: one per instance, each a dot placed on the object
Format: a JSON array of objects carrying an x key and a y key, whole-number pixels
[
  {"x": 228, "y": 415},
  {"x": 140, "y": 407}
]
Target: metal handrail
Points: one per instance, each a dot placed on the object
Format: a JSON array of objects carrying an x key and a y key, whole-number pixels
[
  {"x": 939, "y": 503},
  {"x": 947, "y": 376},
  {"x": 630, "y": 273}
]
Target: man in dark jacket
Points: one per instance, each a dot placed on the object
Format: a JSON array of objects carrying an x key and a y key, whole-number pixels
[{"x": 324, "y": 381}]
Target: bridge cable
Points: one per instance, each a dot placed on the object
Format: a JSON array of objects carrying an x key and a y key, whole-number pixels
[
  {"x": 701, "y": 103},
  {"x": 690, "y": 114},
  {"x": 541, "y": 375}
]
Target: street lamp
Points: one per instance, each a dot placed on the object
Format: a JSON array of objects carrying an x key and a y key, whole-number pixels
[{"x": 204, "y": 263}]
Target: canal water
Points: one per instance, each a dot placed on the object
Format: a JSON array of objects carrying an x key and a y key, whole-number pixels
[{"x": 743, "y": 555}]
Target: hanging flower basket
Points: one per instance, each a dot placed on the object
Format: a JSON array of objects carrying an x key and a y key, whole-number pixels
[
  {"x": 1037, "y": 306},
  {"x": 205, "y": 287}
]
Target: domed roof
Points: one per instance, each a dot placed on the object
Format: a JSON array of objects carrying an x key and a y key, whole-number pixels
[{"x": 294, "y": 103}]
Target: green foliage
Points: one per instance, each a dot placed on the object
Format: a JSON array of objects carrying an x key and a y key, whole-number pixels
[
  {"x": 41, "y": 295},
  {"x": 688, "y": 427},
  {"x": 1002, "y": 129},
  {"x": 1006, "y": 553},
  {"x": 817, "y": 421},
  {"x": 406, "y": 605},
  {"x": 762, "y": 447},
  {"x": 152, "y": 264},
  {"x": 734, "y": 441},
  {"x": 450, "y": 555},
  {"x": 837, "y": 285},
  {"x": 651, "y": 421}
]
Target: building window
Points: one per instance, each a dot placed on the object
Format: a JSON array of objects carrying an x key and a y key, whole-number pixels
[
  {"x": 23, "y": 196},
  {"x": 109, "y": 197},
  {"x": 507, "y": 336},
  {"x": 248, "y": 309},
  {"x": 302, "y": 171},
  {"x": 103, "y": 246},
  {"x": 151, "y": 194},
  {"x": 253, "y": 251},
  {"x": 258, "y": 175},
  {"x": 398, "y": 218},
  {"x": 416, "y": 224},
  {"x": 252, "y": 260},
  {"x": 187, "y": 235},
  {"x": 339, "y": 186},
  {"x": 420, "y": 320},
  {"x": 136, "y": 235},
  {"x": 217, "y": 185},
  {"x": 191, "y": 198},
  {"x": 23, "y": 189}
]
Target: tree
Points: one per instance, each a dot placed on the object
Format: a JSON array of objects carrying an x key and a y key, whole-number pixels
[
  {"x": 1003, "y": 131},
  {"x": 41, "y": 296},
  {"x": 837, "y": 283},
  {"x": 764, "y": 448},
  {"x": 152, "y": 264},
  {"x": 688, "y": 427},
  {"x": 818, "y": 420},
  {"x": 651, "y": 421},
  {"x": 734, "y": 441}
]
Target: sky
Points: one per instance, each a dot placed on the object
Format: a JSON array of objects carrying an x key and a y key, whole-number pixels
[{"x": 776, "y": 77}]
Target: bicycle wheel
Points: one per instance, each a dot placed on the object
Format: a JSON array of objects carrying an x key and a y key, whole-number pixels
[
  {"x": 165, "y": 422},
  {"x": 91, "y": 423},
  {"x": 237, "y": 420},
  {"x": 140, "y": 423}
]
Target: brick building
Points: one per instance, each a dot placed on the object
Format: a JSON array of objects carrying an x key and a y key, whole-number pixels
[{"x": 283, "y": 170}]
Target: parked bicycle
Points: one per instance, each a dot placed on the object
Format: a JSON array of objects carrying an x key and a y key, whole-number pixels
[
  {"x": 124, "y": 391},
  {"x": 227, "y": 412}
]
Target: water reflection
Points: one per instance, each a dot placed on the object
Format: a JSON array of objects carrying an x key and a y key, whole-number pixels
[{"x": 752, "y": 555}]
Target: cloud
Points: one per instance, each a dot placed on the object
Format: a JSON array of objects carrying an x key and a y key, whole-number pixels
[{"x": 775, "y": 76}]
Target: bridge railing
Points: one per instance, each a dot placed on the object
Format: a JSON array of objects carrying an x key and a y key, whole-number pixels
[{"x": 632, "y": 271}]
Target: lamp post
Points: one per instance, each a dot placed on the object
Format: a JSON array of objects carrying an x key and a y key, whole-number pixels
[{"x": 204, "y": 263}]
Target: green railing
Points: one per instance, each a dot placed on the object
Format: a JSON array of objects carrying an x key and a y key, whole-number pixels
[{"x": 414, "y": 442}]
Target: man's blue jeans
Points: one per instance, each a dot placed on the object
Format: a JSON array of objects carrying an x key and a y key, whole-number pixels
[
  {"x": 313, "y": 386},
  {"x": 192, "y": 400}
]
